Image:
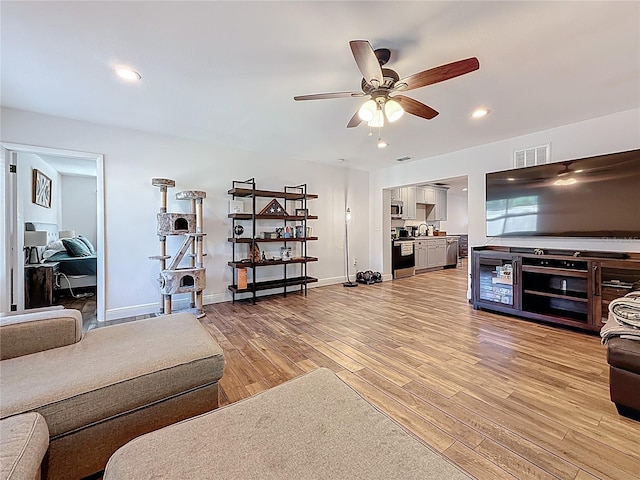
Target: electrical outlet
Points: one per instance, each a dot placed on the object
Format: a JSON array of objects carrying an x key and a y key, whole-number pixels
[{"x": 355, "y": 262}]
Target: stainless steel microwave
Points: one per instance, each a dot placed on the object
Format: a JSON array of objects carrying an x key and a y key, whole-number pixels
[{"x": 396, "y": 210}]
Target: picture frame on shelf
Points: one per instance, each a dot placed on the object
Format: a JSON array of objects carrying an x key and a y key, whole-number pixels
[
  {"x": 41, "y": 192},
  {"x": 285, "y": 253},
  {"x": 302, "y": 212},
  {"x": 236, "y": 206}
]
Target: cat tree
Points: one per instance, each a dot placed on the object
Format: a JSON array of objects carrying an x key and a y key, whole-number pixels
[{"x": 175, "y": 279}]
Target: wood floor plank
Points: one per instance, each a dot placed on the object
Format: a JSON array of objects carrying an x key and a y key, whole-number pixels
[
  {"x": 475, "y": 464},
  {"x": 501, "y": 397},
  {"x": 511, "y": 462}
]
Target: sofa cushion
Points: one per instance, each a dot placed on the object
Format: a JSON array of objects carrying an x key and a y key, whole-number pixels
[
  {"x": 111, "y": 371},
  {"x": 624, "y": 354},
  {"x": 37, "y": 330},
  {"x": 23, "y": 440},
  {"x": 314, "y": 426}
]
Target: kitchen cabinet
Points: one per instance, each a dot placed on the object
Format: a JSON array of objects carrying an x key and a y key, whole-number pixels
[
  {"x": 421, "y": 195},
  {"x": 421, "y": 253},
  {"x": 430, "y": 252},
  {"x": 436, "y": 252},
  {"x": 395, "y": 194},
  {"x": 439, "y": 211},
  {"x": 408, "y": 195}
]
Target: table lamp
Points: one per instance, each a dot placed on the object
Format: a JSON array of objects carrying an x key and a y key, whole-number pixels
[{"x": 33, "y": 240}]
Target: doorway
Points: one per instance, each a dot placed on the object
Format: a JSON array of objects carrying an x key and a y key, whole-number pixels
[{"x": 66, "y": 167}]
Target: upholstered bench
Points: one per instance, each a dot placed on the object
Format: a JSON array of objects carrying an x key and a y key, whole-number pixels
[
  {"x": 314, "y": 426},
  {"x": 23, "y": 442},
  {"x": 99, "y": 390}
]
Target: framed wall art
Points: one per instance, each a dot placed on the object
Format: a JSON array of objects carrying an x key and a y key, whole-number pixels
[{"x": 41, "y": 189}]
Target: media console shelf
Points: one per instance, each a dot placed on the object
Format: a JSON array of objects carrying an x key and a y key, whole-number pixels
[{"x": 557, "y": 287}]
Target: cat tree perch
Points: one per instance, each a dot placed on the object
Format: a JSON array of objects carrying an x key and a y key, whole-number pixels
[{"x": 173, "y": 278}]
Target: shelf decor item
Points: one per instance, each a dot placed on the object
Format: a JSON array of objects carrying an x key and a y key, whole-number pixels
[
  {"x": 236, "y": 206},
  {"x": 285, "y": 253},
  {"x": 273, "y": 208},
  {"x": 302, "y": 212},
  {"x": 41, "y": 189}
]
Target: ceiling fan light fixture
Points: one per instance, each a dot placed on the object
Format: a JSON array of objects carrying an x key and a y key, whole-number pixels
[
  {"x": 393, "y": 110},
  {"x": 378, "y": 119},
  {"x": 368, "y": 110}
]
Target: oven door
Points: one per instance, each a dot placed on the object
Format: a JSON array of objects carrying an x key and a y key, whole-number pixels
[{"x": 403, "y": 259}]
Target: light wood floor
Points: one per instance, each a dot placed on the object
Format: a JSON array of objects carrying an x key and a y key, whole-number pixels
[{"x": 500, "y": 397}]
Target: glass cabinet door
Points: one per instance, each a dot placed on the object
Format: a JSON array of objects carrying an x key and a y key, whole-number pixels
[{"x": 496, "y": 276}]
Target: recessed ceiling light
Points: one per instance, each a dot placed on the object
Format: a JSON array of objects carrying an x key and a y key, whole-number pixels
[
  {"x": 128, "y": 74},
  {"x": 341, "y": 160},
  {"x": 479, "y": 113},
  {"x": 465, "y": 189},
  {"x": 382, "y": 143}
]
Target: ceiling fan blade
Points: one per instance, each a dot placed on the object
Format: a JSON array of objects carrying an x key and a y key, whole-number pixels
[
  {"x": 415, "y": 107},
  {"x": 437, "y": 74},
  {"x": 322, "y": 96},
  {"x": 355, "y": 120},
  {"x": 367, "y": 61}
]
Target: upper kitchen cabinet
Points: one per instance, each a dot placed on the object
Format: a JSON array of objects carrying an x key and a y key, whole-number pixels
[
  {"x": 408, "y": 195},
  {"x": 439, "y": 211},
  {"x": 395, "y": 194}
]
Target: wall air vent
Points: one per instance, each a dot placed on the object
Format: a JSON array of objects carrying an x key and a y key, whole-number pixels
[
  {"x": 532, "y": 156},
  {"x": 403, "y": 159}
]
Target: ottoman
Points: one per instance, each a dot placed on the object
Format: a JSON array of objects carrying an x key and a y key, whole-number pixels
[
  {"x": 314, "y": 426},
  {"x": 23, "y": 442},
  {"x": 623, "y": 356}
]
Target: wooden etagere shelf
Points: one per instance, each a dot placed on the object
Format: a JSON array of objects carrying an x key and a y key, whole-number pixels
[{"x": 243, "y": 257}]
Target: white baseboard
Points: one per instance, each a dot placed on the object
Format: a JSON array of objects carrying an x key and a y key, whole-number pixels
[{"x": 182, "y": 304}]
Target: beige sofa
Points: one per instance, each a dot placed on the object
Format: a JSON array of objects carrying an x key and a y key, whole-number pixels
[{"x": 98, "y": 390}]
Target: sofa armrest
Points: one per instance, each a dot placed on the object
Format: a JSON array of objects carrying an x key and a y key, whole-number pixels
[{"x": 35, "y": 332}]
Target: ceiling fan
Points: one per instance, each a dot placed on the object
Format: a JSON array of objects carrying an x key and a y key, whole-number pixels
[{"x": 381, "y": 83}]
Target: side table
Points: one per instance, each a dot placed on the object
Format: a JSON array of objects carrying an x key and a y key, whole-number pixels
[{"x": 39, "y": 281}]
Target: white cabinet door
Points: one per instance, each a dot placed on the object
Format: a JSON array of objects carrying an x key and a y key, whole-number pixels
[
  {"x": 408, "y": 203},
  {"x": 421, "y": 254},
  {"x": 395, "y": 194},
  {"x": 436, "y": 252},
  {"x": 441, "y": 204},
  {"x": 421, "y": 195},
  {"x": 430, "y": 195}
]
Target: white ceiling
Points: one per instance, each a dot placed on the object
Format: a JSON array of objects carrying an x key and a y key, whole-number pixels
[{"x": 226, "y": 72}]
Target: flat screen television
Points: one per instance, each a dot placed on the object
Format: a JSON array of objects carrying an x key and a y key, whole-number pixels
[{"x": 588, "y": 197}]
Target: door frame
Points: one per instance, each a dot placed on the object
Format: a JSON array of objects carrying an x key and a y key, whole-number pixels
[{"x": 14, "y": 275}]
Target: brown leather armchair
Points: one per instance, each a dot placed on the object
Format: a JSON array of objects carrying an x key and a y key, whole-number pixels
[{"x": 623, "y": 356}]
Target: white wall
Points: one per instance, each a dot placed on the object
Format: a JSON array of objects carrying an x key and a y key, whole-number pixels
[
  {"x": 31, "y": 212},
  {"x": 79, "y": 206},
  {"x": 133, "y": 158},
  {"x": 611, "y": 133},
  {"x": 457, "y": 222}
]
